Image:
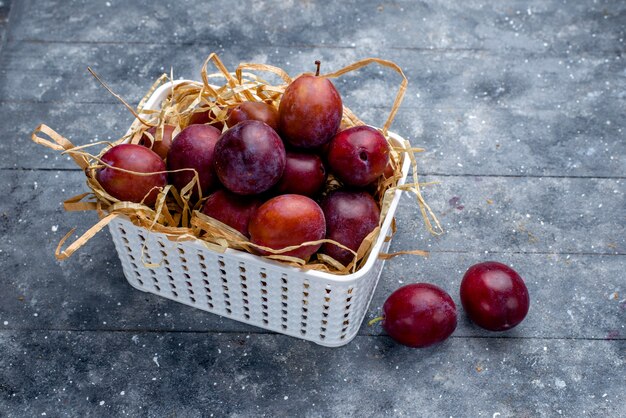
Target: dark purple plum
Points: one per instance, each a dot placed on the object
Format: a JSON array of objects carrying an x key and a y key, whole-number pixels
[
  {"x": 494, "y": 296},
  {"x": 232, "y": 209},
  {"x": 287, "y": 220},
  {"x": 249, "y": 158},
  {"x": 127, "y": 186},
  {"x": 161, "y": 147},
  {"x": 194, "y": 147},
  {"x": 254, "y": 111},
  {"x": 310, "y": 111},
  {"x": 304, "y": 174},
  {"x": 350, "y": 217},
  {"x": 419, "y": 315},
  {"x": 358, "y": 156}
]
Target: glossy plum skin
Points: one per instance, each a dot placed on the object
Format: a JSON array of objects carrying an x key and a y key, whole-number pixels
[
  {"x": 194, "y": 147},
  {"x": 419, "y": 315},
  {"x": 254, "y": 111},
  {"x": 304, "y": 174},
  {"x": 494, "y": 296},
  {"x": 287, "y": 220},
  {"x": 231, "y": 209},
  {"x": 358, "y": 155},
  {"x": 350, "y": 217},
  {"x": 131, "y": 187},
  {"x": 310, "y": 112},
  {"x": 250, "y": 158},
  {"x": 161, "y": 147}
]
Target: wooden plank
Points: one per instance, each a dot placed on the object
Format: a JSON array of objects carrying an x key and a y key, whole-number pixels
[
  {"x": 520, "y": 214},
  {"x": 464, "y": 131},
  {"x": 5, "y": 7},
  {"x": 195, "y": 374},
  {"x": 511, "y": 141},
  {"x": 467, "y": 80},
  {"x": 371, "y": 25},
  {"x": 573, "y": 296},
  {"x": 500, "y": 94},
  {"x": 81, "y": 124}
]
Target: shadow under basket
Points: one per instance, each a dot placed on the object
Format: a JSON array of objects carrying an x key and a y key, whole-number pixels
[{"x": 321, "y": 307}]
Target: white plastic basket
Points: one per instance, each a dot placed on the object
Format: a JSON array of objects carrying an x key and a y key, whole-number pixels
[{"x": 324, "y": 308}]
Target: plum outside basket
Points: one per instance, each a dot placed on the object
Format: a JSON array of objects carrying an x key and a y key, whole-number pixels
[{"x": 312, "y": 305}]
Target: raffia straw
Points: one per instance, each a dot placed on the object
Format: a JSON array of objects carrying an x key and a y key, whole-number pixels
[
  {"x": 112, "y": 205},
  {"x": 262, "y": 67},
  {"x": 427, "y": 213},
  {"x": 234, "y": 239},
  {"x": 118, "y": 97},
  {"x": 63, "y": 254},
  {"x": 58, "y": 143},
  {"x": 75, "y": 204},
  {"x": 243, "y": 243},
  {"x": 232, "y": 82},
  {"x": 401, "y": 90},
  {"x": 387, "y": 256},
  {"x": 175, "y": 216}
]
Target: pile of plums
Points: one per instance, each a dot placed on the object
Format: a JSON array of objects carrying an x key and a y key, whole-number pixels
[{"x": 263, "y": 171}]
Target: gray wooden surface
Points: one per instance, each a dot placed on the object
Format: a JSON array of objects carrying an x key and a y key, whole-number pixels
[{"x": 520, "y": 106}]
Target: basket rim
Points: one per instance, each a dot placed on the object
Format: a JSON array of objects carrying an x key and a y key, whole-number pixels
[{"x": 157, "y": 97}]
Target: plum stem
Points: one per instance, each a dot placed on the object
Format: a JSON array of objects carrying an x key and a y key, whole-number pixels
[
  {"x": 375, "y": 320},
  {"x": 317, "y": 72}
]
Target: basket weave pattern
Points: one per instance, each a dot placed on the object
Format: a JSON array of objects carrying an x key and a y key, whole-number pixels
[{"x": 309, "y": 305}]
